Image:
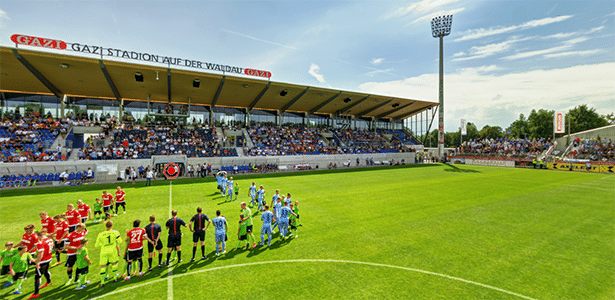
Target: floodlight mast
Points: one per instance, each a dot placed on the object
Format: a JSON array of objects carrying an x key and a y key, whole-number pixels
[{"x": 441, "y": 27}]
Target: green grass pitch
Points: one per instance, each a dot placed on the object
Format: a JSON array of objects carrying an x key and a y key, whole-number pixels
[{"x": 483, "y": 232}]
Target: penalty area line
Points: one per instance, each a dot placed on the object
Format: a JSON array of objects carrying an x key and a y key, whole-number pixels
[{"x": 323, "y": 261}]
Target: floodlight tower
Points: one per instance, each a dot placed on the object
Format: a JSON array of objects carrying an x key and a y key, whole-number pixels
[{"x": 441, "y": 27}]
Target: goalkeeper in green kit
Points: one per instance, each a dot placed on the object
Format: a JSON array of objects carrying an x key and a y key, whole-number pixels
[{"x": 109, "y": 243}]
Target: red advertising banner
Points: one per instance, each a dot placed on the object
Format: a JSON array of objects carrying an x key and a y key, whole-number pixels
[{"x": 38, "y": 42}]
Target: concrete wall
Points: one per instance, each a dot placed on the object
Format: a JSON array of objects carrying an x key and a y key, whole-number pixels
[
  {"x": 607, "y": 132},
  {"x": 109, "y": 170}
]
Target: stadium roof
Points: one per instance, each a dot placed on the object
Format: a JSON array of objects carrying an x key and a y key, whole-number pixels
[{"x": 27, "y": 71}]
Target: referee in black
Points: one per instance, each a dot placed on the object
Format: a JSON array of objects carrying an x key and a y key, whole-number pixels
[
  {"x": 199, "y": 231},
  {"x": 175, "y": 236},
  {"x": 153, "y": 230}
]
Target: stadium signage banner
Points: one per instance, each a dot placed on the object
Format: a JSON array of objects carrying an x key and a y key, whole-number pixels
[
  {"x": 581, "y": 167},
  {"x": 559, "y": 125},
  {"x": 142, "y": 56},
  {"x": 490, "y": 162}
]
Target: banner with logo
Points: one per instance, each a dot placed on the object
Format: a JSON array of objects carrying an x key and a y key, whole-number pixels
[
  {"x": 582, "y": 167},
  {"x": 464, "y": 129},
  {"x": 559, "y": 123}
]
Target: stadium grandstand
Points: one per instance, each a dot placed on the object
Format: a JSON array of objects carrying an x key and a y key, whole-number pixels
[{"x": 110, "y": 116}]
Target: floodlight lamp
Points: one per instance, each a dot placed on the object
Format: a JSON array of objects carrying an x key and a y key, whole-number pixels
[
  {"x": 441, "y": 26},
  {"x": 64, "y": 66}
]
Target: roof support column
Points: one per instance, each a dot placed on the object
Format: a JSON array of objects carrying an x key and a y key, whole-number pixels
[
  {"x": 121, "y": 107},
  {"x": 278, "y": 118},
  {"x": 247, "y": 117},
  {"x": 62, "y": 101}
]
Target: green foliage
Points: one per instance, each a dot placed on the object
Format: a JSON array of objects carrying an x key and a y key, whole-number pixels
[
  {"x": 541, "y": 123},
  {"x": 490, "y": 132},
  {"x": 519, "y": 128},
  {"x": 583, "y": 118}
]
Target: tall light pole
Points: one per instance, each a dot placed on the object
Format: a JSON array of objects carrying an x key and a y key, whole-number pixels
[{"x": 441, "y": 27}]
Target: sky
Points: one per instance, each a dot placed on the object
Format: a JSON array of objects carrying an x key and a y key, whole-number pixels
[{"x": 502, "y": 58}]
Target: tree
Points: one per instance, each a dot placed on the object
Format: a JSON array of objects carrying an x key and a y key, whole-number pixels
[
  {"x": 583, "y": 118},
  {"x": 490, "y": 132},
  {"x": 610, "y": 118},
  {"x": 541, "y": 123},
  {"x": 519, "y": 128}
]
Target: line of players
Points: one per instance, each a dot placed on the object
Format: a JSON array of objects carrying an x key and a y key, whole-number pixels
[
  {"x": 73, "y": 231},
  {"x": 63, "y": 233}
]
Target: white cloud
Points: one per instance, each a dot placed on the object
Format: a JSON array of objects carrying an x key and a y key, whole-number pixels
[
  {"x": 482, "y": 32},
  {"x": 575, "y": 53},
  {"x": 421, "y": 7},
  {"x": 563, "y": 35},
  {"x": 491, "y": 49},
  {"x": 565, "y": 46},
  {"x": 372, "y": 73},
  {"x": 377, "y": 61},
  {"x": 257, "y": 39},
  {"x": 3, "y": 16},
  {"x": 458, "y": 54},
  {"x": 314, "y": 69},
  {"x": 472, "y": 94},
  {"x": 439, "y": 13}
]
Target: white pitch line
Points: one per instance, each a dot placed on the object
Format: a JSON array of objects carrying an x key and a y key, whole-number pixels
[
  {"x": 170, "y": 274},
  {"x": 325, "y": 261}
]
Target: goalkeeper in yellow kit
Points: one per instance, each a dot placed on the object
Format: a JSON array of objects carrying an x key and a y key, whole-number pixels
[{"x": 109, "y": 243}]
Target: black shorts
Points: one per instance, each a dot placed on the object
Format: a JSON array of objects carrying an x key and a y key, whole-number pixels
[
  {"x": 44, "y": 268},
  {"x": 59, "y": 245},
  {"x": 83, "y": 271},
  {"x": 118, "y": 204},
  {"x": 72, "y": 228},
  {"x": 97, "y": 212},
  {"x": 174, "y": 241},
  {"x": 83, "y": 219},
  {"x": 71, "y": 260},
  {"x": 135, "y": 254},
  {"x": 243, "y": 237},
  {"x": 198, "y": 236},
  {"x": 106, "y": 209},
  {"x": 5, "y": 270},
  {"x": 19, "y": 275},
  {"x": 249, "y": 228},
  {"x": 150, "y": 247},
  {"x": 293, "y": 227}
]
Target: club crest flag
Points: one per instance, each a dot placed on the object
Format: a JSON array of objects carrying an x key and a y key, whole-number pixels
[
  {"x": 464, "y": 129},
  {"x": 559, "y": 123}
]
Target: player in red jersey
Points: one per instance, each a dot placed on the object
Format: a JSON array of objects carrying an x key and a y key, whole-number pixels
[
  {"x": 119, "y": 200},
  {"x": 47, "y": 223},
  {"x": 60, "y": 236},
  {"x": 29, "y": 240},
  {"x": 107, "y": 204},
  {"x": 74, "y": 240},
  {"x": 43, "y": 258},
  {"x": 73, "y": 217},
  {"x": 84, "y": 211},
  {"x": 134, "y": 240}
]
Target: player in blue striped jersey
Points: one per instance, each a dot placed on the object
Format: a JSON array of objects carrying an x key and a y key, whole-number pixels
[
  {"x": 224, "y": 185},
  {"x": 260, "y": 195},
  {"x": 230, "y": 186},
  {"x": 266, "y": 217},
  {"x": 277, "y": 206},
  {"x": 283, "y": 221},
  {"x": 252, "y": 193},
  {"x": 221, "y": 227}
]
